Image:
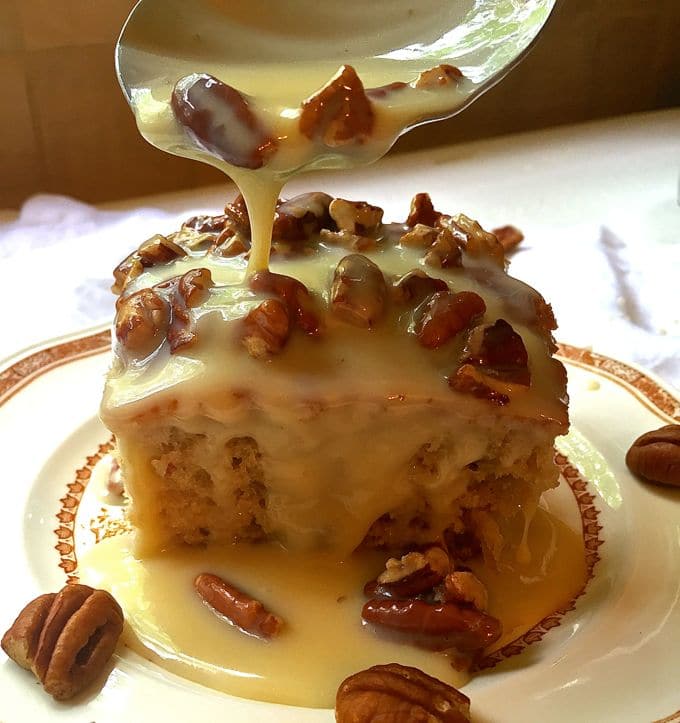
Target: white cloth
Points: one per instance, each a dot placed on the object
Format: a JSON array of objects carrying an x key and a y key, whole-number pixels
[{"x": 605, "y": 253}]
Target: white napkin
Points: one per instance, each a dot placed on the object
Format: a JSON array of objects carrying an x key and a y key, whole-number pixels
[{"x": 609, "y": 289}]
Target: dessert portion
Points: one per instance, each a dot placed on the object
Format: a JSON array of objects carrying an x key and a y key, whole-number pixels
[{"x": 379, "y": 385}]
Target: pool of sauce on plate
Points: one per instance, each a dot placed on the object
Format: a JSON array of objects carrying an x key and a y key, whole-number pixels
[{"x": 320, "y": 599}]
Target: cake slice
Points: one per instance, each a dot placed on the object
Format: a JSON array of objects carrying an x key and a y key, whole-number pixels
[{"x": 382, "y": 384}]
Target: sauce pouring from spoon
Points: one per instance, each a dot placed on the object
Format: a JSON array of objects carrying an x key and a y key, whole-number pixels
[{"x": 264, "y": 90}]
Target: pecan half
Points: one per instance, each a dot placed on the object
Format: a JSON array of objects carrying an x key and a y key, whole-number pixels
[
  {"x": 340, "y": 113},
  {"x": 141, "y": 321},
  {"x": 414, "y": 286},
  {"x": 440, "y": 75},
  {"x": 446, "y": 314},
  {"x": 509, "y": 237},
  {"x": 411, "y": 575},
  {"x": 222, "y": 121},
  {"x": 66, "y": 638},
  {"x": 245, "y": 612},
  {"x": 266, "y": 329},
  {"x": 655, "y": 456},
  {"x": 499, "y": 351},
  {"x": 295, "y": 296},
  {"x": 358, "y": 291},
  {"x": 440, "y": 627},
  {"x": 398, "y": 694},
  {"x": 422, "y": 211}
]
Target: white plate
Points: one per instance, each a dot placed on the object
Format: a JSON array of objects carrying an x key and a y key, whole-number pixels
[{"x": 614, "y": 656}]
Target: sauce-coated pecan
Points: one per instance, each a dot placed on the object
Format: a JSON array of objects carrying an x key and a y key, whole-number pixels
[
  {"x": 295, "y": 296},
  {"x": 298, "y": 218},
  {"x": 340, "y": 113},
  {"x": 141, "y": 321},
  {"x": 444, "y": 252},
  {"x": 222, "y": 121},
  {"x": 440, "y": 626},
  {"x": 439, "y": 76},
  {"x": 358, "y": 291},
  {"x": 499, "y": 351},
  {"x": 355, "y": 217},
  {"x": 245, "y": 612},
  {"x": 446, "y": 314},
  {"x": 399, "y": 694},
  {"x": 469, "y": 380},
  {"x": 266, "y": 328},
  {"x": 414, "y": 286}
]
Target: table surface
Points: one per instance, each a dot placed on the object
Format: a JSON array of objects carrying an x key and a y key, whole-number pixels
[{"x": 597, "y": 202}]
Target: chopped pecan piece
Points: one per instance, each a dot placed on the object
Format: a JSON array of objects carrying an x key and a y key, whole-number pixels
[
  {"x": 422, "y": 211},
  {"x": 465, "y": 587},
  {"x": 237, "y": 213},
  {"x": 266, "y": 329},
  {"x": 358, "y": 291},
  {"x": 141, "y": 321},
  {"x": 206, "y": 224},
  {"x": 655, "y": 456},
  {"x": 340, "y": 113},
  {"x": 295, "y": 296},
  {"x": 245, "y": 612},
  {"x": 222, "y": 121},
  {"x": 440, "y": 75},
  {"x": 446, "y": 314},
  {"x": 298, "y": 218},
  {"x": 478, "y": 242},
  {"x": 355, "y": 217},
  {"x": 411, "y": 575},
  {"x": 66, "y": 639},
  {"x": 499, "y": 351},
  {"x": 441, "y": 626},
  {"x": 469, "y": 380},
  {"x": 420, "y": 236},
  {"x": 395, "y": 693},
  {"x": 159, "y": 250},
  {"x": 414, "y": 286},
  {"x": 230, "y": 243},
  {"x": 444, "y": 252},
  {"x": 509, "y": 237}
]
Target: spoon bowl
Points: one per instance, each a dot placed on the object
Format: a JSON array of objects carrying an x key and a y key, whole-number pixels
[{"x": 385, "y": 41}]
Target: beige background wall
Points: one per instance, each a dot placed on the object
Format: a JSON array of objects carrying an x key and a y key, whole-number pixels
[{"x": 65, "y": 128}]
